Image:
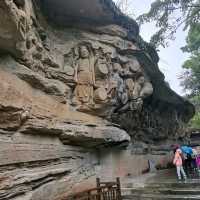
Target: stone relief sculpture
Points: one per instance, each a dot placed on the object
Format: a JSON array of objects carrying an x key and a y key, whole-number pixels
[
  {"x": 137, "y": 88},
  {"x": 101, "y": 68},
  {"x": 101, "y": 76},
  {"x": 103, "y": 83},
  {"x": 22, "y": 23},
  {"x": 16, "y": 24},
  {"x": 84, "y": 77},
  {"x": 116, "y": 89}
]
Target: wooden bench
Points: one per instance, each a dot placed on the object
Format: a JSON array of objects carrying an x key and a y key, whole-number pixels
[{"x": 102, "y": 191}]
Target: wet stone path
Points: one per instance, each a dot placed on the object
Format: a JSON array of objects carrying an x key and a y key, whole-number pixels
[{"x": 162, "y": 187}]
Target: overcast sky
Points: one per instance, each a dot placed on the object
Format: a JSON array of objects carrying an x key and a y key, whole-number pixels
[{"x": 171, "y": 58}]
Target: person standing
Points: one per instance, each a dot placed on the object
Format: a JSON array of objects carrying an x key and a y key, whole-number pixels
[{"x": 178, "y": 162}]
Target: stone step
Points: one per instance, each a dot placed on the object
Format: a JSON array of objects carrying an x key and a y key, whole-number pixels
[
  {"x": 161, "y": 188},
  {"x": 184, "y": 184},
  {"x": 174, "y": 185},
  {"x": 160, "y": 197},
  {"x": 137, "y": 191}
]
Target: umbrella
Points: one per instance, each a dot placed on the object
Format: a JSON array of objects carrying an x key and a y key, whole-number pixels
[{"x": 187, "y": 150}]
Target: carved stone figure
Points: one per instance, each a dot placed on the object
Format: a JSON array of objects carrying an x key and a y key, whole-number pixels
[
  {"x": 101, "y": 68},
  {"x": 138, "y": 87},
  {"x": 14, "y": 20},
  {"x": 109, "y": 61},
  {"x": 136, "y": 100},
  {"x": 44, "y": 38},
  {"x": 117, "y": 87},
  {"x": 100, "y": 95},
  {"x": 103, "y": 83},
  {"x": 133, "y": 89},
  {"x": 130, "y": 84},
  {"x": 84, "y": 77},
  {"x": 129, "y": 73},
  {"x": 147, "y": 90},
  {"x": 22, "y": 19}
]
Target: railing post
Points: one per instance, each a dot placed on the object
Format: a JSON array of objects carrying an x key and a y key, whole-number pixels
[
  {"x": 98, "y": 188},
  {"x": 89, "y": 196},
  {"x": 119, "y": 196}
]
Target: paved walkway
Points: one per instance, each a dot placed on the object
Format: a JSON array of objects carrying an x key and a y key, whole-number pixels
[{"x": 162, "y": 186}]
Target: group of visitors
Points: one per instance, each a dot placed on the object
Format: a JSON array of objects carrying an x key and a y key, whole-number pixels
[{"x": 187, "y": 160}]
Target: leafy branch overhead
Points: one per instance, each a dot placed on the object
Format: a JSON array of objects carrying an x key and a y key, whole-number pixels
[
  {"x": 191, "y": 76},
  {"x": 169, "y": 15}
]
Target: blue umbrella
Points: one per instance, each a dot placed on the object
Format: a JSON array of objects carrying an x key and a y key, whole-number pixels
[{"x": 187, "y": 150}]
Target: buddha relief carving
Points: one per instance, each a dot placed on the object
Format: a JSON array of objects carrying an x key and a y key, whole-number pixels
[
  {"x": 84, "y": 77},
  {"x": 104, "y": 84}
]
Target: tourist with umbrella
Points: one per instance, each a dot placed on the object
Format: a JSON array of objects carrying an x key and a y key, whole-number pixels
[{"x": 189, "y": 164}]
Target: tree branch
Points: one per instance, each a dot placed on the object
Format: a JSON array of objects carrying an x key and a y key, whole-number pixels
[{"x": 180, "y": 8}]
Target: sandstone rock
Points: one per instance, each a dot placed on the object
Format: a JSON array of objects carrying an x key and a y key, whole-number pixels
[
  {"x": 49, "y": 86},
  {"x": 94, "y": 136},
  {"x": 45, "y": 123},
  {"x": 95, "y": 16},
  {"x": 10, "y": 117},
  {"x": 79, "y": 102},
  {"x": 29, "y": 162},
  {"x": 15, "y": 25}
]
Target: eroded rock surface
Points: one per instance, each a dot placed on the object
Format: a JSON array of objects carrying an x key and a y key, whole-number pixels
[{"x": 78, "y": 101}]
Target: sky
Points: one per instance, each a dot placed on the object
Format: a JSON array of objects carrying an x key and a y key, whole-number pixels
[{"x": 171, "y": 57}]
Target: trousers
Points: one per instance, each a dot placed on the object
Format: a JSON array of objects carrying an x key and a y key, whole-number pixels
[{"x": 180, "y": 171}]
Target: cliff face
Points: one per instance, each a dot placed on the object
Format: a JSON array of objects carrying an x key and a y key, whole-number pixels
[{"x": 81, "y": 96}]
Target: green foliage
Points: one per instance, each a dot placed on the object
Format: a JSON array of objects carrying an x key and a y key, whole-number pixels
[
  {"x": 191, "y": 76},
  {"x": 169, "y": 15},
  {"x": 195, "y": 121},
  {"x": 193, "y": 39},
  {"x": 196, "y": 101}
]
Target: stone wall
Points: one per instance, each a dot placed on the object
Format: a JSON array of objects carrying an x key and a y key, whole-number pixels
[{"x": 79, "y": 99}]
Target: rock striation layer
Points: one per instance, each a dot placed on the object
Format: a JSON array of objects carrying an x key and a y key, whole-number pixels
[{"x": 81, "y": 96}]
